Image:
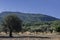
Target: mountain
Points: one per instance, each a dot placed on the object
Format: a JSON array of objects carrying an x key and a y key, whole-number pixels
[{"x": 29, "y": 17}]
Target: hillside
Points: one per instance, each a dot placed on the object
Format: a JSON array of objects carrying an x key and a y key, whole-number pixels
[{"x": 29, "y": 17}]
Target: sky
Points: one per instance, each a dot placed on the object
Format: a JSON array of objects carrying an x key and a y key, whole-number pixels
[{"x": 47, "y": 7}]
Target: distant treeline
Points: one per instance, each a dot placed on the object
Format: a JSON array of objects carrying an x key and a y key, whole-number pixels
[{"x": 42, "y": 26}]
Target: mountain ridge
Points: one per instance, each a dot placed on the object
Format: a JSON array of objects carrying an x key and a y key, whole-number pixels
[{"x": 30, "y": 17}]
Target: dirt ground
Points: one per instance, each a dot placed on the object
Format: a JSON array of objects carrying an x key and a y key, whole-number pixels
[
  {"x": 27, "y": 38},
  {"x": 31, "y": 37}
]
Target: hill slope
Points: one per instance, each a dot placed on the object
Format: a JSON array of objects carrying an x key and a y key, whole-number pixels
[{"x": 27, "y": 17}]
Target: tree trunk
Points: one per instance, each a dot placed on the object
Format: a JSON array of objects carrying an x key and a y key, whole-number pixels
[{"x": 10, "y": 34}]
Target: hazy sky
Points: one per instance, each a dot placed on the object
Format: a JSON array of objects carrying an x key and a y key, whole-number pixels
[{"x": 48, "y": 7}]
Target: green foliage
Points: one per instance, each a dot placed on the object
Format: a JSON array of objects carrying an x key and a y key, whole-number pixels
[
  {"x": 12, "y": 23},
  {"x": 31, "y": 22},
  {"x": 58, "y": 28},
  {"x": 56, "y": 25}
]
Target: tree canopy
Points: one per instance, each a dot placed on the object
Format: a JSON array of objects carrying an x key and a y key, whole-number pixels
[{"x": 13, "y": 23}]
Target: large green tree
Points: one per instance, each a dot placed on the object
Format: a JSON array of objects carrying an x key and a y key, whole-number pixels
[{"x": 12, "y": 23}]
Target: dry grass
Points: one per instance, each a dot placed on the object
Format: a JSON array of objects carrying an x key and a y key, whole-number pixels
[
  {"x": 28, "y": 39},
  {"x": 38, "y": 36}
]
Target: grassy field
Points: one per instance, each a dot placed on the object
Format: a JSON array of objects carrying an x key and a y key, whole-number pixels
[{"x": 30, "y": 37}]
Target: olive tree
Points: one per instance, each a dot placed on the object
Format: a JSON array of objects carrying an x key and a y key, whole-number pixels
[{"x": 13, "y": 23}]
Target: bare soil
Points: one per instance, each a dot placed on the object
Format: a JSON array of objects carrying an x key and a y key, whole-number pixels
[{"x": 30, "y": 37}]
